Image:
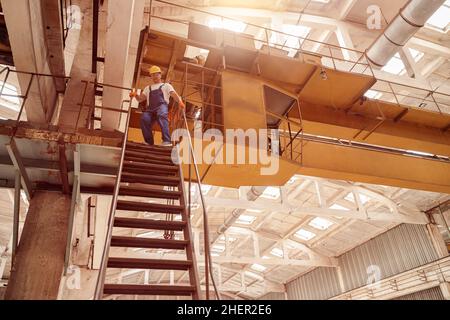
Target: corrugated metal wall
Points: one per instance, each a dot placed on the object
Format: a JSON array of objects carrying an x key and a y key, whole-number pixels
[
  {"x": 429, "y": 294},
  {"x": 319, "y": 284},
  {"x": 273, "y": 296},
  {"x": 405, "y": 247}
]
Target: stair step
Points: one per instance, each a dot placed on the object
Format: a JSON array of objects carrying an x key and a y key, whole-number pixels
[
  {"x": 149, "y": 224},
  {"x": 158, "y": 264},
  {"x": 146, "y": 155},
  {"x": 150, "y": 166},
  {"x": 148, "y": 161},
  {"x": 148, "y": 147},
  {"x": 161, "y": 151},
  {"x": 135, "y": 242},
  {"x": 149, "y": 193},
  {"x": 163, "y": 290},
  {"x": 155, "y": 172},
  {"x": 148, "y": 207},
  {"x": 149, "y": 179}
]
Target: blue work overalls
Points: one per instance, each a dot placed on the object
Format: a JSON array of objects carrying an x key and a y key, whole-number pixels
[{"x": 157, "y": 110}]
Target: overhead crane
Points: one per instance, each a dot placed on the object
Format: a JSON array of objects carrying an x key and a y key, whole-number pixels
[{"x": 331, "y": 129}]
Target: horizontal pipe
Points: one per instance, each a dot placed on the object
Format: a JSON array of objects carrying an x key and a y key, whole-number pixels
[{"x": 410, "y": 19}]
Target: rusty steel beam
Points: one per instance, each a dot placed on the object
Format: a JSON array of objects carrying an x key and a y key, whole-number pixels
[{"x": 63, "y": 168}]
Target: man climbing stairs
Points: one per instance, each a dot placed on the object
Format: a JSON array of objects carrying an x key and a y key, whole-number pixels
[{"x": 148, "y": 173}]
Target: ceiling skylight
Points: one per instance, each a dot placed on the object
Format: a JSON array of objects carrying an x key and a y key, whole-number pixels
[
  {"x": 305, "y": 234},
  {"x": 218, "y": 248},
  {"x": 395, "y": 65},
  {"x": 230, "y": 239},
  {"x": 320, "y": 223},
  {"x": 277, "y": 252},
  {"x": 338, "y": 207},
  {"x": 271, "y": 193},
  {"x": 372, "y": 94},
  {"x": 290, "y": 41},
  {"x": 8, "y": 101},
  {"x": 228, "y": 24},
  {"x": 258, "y": 267},
  {"x": 441, "y": 18},
  {"x": 362, "y": 197},
  {"x": 416, "y": 54},
  {"x": 245, "y": 219}
]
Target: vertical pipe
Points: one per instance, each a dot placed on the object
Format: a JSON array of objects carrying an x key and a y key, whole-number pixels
[
  {"x": 206, "y": 253},
  {"x": 71, "y": 220},
  {"x": 16, "y": 214},
  {"x": 62, "y": 6},
  {"x": 95, "y": 35}
]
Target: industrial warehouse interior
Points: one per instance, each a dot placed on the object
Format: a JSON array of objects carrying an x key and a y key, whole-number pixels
[{"x": 224, "y": 150}]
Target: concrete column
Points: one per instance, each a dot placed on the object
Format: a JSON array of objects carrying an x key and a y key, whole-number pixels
[
  {"x": 24, "y": 21},
  {"x": 39, "y": 262},
  {"x": 51, "y": 10},
  {"x": 71, "y": 109},
  {"x": 124, "y": 23}
]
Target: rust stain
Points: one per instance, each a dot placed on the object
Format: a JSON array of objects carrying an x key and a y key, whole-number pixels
[{"x": 111, "y": 139}]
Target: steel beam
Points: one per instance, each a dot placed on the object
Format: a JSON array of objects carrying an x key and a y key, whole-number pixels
[
  {"x": 18, "y": 164},
  {"x": 73, "y": 204},
  {"x": 15, "y": 239},
  {"x": 63, "y": 168}
]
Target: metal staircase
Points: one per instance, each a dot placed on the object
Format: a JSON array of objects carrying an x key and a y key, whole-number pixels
[{"x": 148, "y": 173}]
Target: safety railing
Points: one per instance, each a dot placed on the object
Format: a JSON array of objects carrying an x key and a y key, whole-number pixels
[
  {"x": 66, "y": 18},
  {"x": 182, "y": 123},
  {"x": 243, "y": 34},
  {"x": 290, "y": 137},
  {"x": 104, "y": 261},
  {"x": 10, "y": 95},
  {"x": 197, "y": 95},
  {"x": 18, "y": 102},
  {"x": 198, "y": 86},
  {"x": 93, "y": 111},
  {"x": 409, "y": 96}
]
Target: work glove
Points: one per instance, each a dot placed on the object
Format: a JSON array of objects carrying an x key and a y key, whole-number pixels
[{"x": 133, "y": 93}]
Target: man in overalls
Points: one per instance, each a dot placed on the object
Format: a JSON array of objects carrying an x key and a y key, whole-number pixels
[{"x": 157, "y": 96}]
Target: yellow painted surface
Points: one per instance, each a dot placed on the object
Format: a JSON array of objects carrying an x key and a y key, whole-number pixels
[{"x": 331, "y": 107}]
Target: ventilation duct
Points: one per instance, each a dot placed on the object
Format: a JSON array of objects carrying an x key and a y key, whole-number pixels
[
  {"x": 410, "y": 19},
  {"x": 252, "y": 195}
]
